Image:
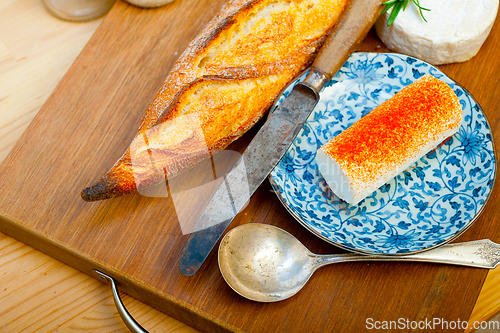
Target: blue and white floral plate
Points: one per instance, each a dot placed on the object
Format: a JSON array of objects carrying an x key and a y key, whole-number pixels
[{"x": 429, "y": 204}]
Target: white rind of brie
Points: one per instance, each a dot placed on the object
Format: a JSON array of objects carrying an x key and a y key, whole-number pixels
[{"x": 454, "y": 32}]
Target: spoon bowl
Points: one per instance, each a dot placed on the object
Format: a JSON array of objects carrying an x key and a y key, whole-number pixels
[
  {"x": 267, "y": 264},
  {"x": 264, "y": 263}
]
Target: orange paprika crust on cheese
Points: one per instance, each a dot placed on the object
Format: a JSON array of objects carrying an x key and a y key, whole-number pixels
[{"x": 395, "y": 134}]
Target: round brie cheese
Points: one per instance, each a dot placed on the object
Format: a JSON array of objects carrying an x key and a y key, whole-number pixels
[
  {"x": 149, "y": 3},
  {"x": 454, "y": 32}
]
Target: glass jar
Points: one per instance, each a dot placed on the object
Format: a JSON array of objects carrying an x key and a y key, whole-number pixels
[{"x": 78, "y": 10}]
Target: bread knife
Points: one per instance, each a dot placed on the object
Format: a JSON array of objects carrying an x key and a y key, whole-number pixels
[{"x": 278, "y": 132}]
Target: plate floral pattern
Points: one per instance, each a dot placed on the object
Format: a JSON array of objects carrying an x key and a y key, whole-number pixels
[{"x": 427, "y": 205}]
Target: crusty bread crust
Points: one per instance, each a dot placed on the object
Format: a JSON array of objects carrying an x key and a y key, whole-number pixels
[{"x": 223, "y": 83}]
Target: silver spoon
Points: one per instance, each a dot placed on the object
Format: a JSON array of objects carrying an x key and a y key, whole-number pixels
[{"x": 267, "y": 264}]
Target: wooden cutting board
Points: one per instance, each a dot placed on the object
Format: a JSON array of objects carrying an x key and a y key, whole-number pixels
[{"x": 88, "y": 122}]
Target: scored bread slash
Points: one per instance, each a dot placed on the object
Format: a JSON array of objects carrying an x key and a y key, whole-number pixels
[{"x": 390, "y": 139}]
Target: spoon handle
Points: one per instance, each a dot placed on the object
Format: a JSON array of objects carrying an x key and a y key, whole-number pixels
[{"x": 481, "y": 253}]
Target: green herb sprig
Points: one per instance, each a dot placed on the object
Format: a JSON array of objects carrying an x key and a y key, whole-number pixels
[{"x": 397, "y": 5}]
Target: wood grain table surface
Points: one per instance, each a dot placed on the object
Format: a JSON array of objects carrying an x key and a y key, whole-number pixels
[{"x": 38, "y": 293}]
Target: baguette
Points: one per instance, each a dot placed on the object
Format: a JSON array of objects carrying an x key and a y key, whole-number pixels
[{"x": 224, "y": 82}]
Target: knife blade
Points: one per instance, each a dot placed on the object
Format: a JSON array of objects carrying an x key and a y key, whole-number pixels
[{"x": 278, "y": 132}]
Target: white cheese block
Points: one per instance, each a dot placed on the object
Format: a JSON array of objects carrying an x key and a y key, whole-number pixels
[
  {"x": 389, "y": 139},
  {"x": 454, "y": 32},
  {"x": 340, "y": 181}
]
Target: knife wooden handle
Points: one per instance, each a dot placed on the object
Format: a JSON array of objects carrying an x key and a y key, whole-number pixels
[{"x": 352, "y": 28}]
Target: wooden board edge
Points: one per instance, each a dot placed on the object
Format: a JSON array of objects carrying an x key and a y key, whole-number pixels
[{"x": 164, "y": 303}]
